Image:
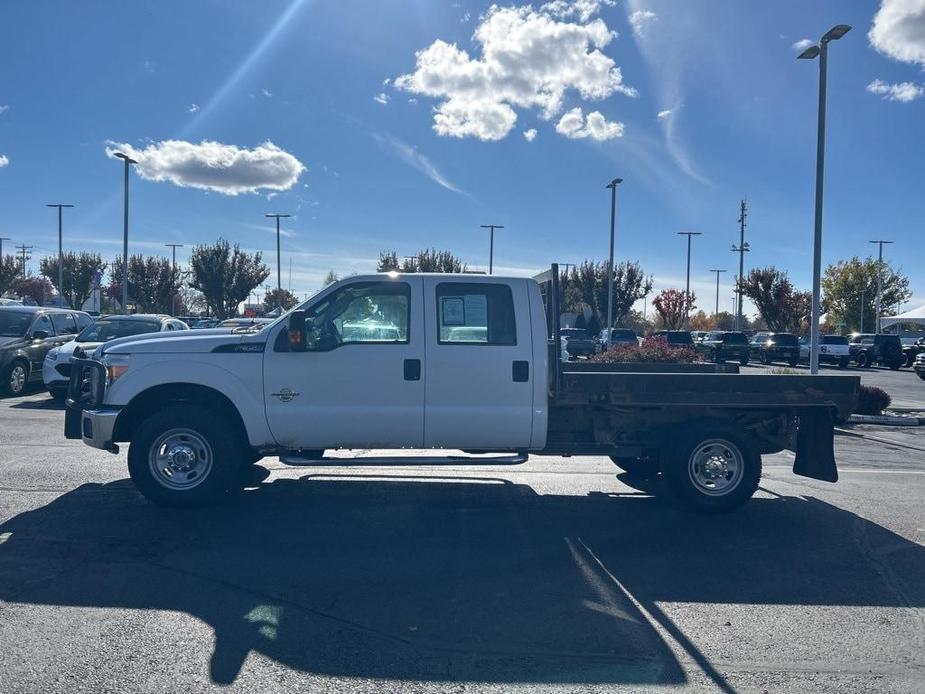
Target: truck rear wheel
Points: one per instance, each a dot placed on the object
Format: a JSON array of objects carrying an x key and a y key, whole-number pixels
[
  {"x": 862, "y": 360},
  {"x": 183, "y": 456},
  {"x": 713, "y": 470},
  {"x": 645, "y": 467}
]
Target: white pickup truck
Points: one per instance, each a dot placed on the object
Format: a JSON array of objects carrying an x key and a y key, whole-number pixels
[{"x": 394, "y": 361}]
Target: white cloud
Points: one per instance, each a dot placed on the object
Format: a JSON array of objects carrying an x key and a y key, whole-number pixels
[
  {"x": 529, "y": 59},
  {"x": 266, "y": 92},
  {"x": 192, "y": 108},
  {"x": 898, "y": 30},
  {"x": 802, "y": 45},
  {"x": 662, "y": 115},
  {"x": 904, "y": 91},
  {"x": 582, "y": 9},
  {"x": 214, "y": 166},
  {"x": 4, "y": 108},
  {"x": 4, "y": 161},
  {"x": 640, "y": 19},
  {"x": 574, "y": 126},
  {"x": 530, "y": 135},
  {"x": 382, "y": 98},
  {"x": 412, "y": 157}
]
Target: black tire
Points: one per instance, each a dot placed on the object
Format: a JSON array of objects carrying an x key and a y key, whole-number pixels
[
  {"x": 207, "y": 436},
  {"x": 920, "y": 374},
  {"x": 910, "y": 360},
  {"x": 681, "y": 468},
  {"x": 765, "y": 359},
  {"x": 843, "y": 363},
  {"x": 743, "y": 361},
  {"x": 793, "y": 362},
  {"x": 644, "y": 468},
  {"x": 895, "y": 365},
  {"x": 862, "y": 360},
  {"x": 14, "y": 385}
]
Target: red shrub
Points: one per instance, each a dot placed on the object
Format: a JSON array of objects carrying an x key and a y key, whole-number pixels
[{"x": 652, "y": 350}]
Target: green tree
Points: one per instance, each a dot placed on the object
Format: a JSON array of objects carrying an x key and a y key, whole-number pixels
[
  {"x": 152, "y": 283},
  {"x": 586, "y": 286},
  {"x": 783, "y": 308},
  {"x": 845, "y": 280},
  {"x": 425, "y": 260},
  {"x": 38, "y": 289},
  {"x": 79, "y": 276},
  {"x": 672, "y": 305},
  {"x": 225, "y": 275},
  {"x": 279, "y": 298},
  {"x": 9, "y": 272}
]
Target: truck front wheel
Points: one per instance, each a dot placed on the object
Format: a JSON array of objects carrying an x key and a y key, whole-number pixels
[
  {"x": 713, "y": 470},
  {"x": 183, "y": 456}
]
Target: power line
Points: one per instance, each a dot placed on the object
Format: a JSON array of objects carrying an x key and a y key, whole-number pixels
[
  {"x": 741, "y": 249},
  {"x": 22, "y": 249}
]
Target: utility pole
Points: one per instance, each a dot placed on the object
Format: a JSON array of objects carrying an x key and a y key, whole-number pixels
[
  {"x": 716, "y": 312},
  {"x": 862, "y": 309},
  {"x": 687, "y": 287},
  {"x": 613, "y": 212},
  {"x": 279, "y": 263},
  {"x": 173, "y": 247},
  {"x": 820, "y": 50},
  {"x": 741, "y": 249},
  {"x": 128, "y": 161},
  {"x": 491, "y": 247},
  {"x": 22, "y": 249},
  {"x": 879, "y": 282},
  {"x": 2, "y": 239},
  {"x": 412, "y": 262},
  {"x": 60, "y": 250}
]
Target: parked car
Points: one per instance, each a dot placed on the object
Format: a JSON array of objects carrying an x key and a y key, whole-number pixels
[
  {"x": 771, "y": 347},
  {"x": 27, "y": 334},
  {"x": 618, "y": 336},
  {"x": 676, "y": 338},
  {"x": 867, "y": 349},
  {"x": 833, "y": 349},
  {"x": 698, "y": 335},
  {"x": 56, "y": 368},
  {"x": 9, "y": 302},
  {"x": 910, "y": 352},
  {"x": 919, "y": 365},
  {"x": 577, "y": 342},
  {"x": 204, "y": 323},
  {"x": 722, "y": 345}
]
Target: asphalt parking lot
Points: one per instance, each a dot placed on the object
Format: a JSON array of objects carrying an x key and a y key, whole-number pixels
[{"x": 557, "y": 575}]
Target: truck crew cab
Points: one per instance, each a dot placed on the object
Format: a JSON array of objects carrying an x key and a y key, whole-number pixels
[{"x": 433, "y": 361}]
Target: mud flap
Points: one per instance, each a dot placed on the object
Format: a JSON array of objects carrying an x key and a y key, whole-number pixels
[{"x": 815, "y": 454}]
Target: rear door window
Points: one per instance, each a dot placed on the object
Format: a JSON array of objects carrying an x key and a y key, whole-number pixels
[
  {"x": 471, "y": 313},
  {"x": 64, "y": 323}
]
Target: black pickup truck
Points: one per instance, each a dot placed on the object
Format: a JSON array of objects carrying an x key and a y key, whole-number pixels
[
  {"x": 771, "y": 347},
  {"x": 883, "y": 349},
  {"x": 720, "y": 346}
]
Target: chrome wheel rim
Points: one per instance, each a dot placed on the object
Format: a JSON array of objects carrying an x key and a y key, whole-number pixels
[
  {"x": 17, "y": 378},
  {"x": 180, "y": 459},
  {"x": 715, "y": 467}
]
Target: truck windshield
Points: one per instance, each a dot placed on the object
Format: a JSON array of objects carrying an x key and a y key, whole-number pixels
[
  {"x": 14, "y": 323},
  {"x": 575, "y": 334},
  {"x": 106, "y": 330},
  {"x": 785, "y": 339}
]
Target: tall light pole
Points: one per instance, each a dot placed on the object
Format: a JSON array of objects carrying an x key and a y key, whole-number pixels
[
  {"x": 879, "y": 282},
  {"x": 128, "y": 160},
  {"x": 718, "y": 272},
  {"x": 279, "y": 265},
  {"x": 491, "y": 246},
  {"x": 2, "y": 239},
  {"x": 862, "y": 310},
  {"x": 822, "y": 52},
  {"x": 687, "y": 287},
  {"x": 60, "y": 206},
  {"x": 741, "y": 249},
  {"x": 173, "y": 247},
  {"x": 613, "y": 213}
]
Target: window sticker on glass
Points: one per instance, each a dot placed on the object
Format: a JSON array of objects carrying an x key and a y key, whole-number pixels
[
  {"x": 453, "y": 310},
  {"x": 476, "y": 309}
]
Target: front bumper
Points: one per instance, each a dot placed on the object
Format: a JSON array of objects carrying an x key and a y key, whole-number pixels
[{"x": 86, "y": 417}]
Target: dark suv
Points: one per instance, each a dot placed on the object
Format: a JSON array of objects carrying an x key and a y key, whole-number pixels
[
  {"x": 618, "y": 336},
  {"x": 27, "y": 333},
  {"x": 771, "y": 347},
  {"x": 719, "y": 346},
  {"x": 676, "y": 338},
  {"x": 910, "y": 352},
  {"x": 882, "y": 349},
  {"x": 577, "y": 342}
]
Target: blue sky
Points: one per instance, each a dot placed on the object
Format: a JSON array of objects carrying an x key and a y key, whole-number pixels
[{"x": 321, "y": 109}]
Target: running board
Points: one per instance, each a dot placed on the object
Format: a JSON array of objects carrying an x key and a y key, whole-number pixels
[{"x": 404, "y": 461}]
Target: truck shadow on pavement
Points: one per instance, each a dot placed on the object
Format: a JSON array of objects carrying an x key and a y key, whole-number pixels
[{"x": 462, "y": 579}]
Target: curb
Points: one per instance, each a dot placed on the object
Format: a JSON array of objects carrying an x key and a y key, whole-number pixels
[{"x": 888, "y": 420}]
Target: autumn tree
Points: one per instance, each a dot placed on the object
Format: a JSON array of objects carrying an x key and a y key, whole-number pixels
[
  {"x": 842, "y": 286},
  {"x": 79, "y": 277},
  {"x": 672, "y": 306},
  {"x": 225, "y": 275},
  {"x": 702, "y": 321},
  {"x": 783, "y": 308},
  {"x": 279, "y": 298},
  {"x": 38, "y": 289}
]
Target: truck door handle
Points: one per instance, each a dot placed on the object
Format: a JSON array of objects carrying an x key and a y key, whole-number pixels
[
  {"x": 520, "y": 371},
  {"x": 412, "y": 369}
]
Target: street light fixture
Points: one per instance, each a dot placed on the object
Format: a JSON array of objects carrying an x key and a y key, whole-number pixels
[
  {"x": 821, "y": 51},
  {"x": 491, "y": 246},
  {"x": 279, "y": 266},
  {"x": 687, "y": 288},
  {"x": 128, "y": 160},
  {"x": 613, "y": 212}
]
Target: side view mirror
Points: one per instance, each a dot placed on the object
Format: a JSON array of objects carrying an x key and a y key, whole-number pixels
[
  {"x": 40, "y": 335},
  {"x": 298, "y": 331}
]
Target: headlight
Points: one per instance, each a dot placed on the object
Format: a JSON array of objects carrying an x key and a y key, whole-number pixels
[
  {"x": 116, "y": 365},
  {"x": 52, "y": 354}
]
